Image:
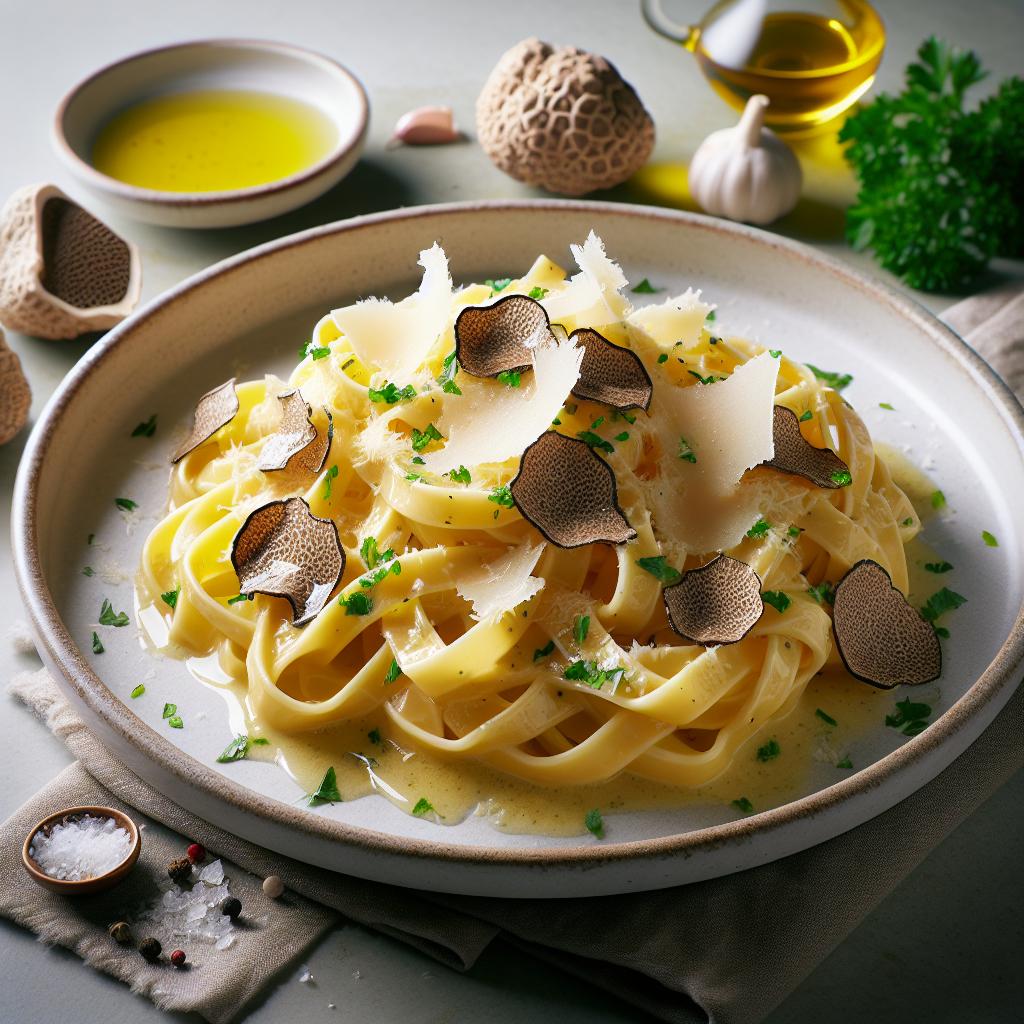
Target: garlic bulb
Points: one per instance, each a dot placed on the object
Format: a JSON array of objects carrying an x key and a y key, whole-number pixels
[{"x": 746, "y": 173}]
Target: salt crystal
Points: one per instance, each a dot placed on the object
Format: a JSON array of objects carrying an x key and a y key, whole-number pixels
[
  {"x": 224, "y": 942},
  {"x": 192, "y": 914},
  {"x": 357, "y": 975},
  {"x": 306, "y": 976},
  {"x": 213, "y": 873},
  {"x": 21, "y": 637},
  {"x": 82, "y": 847}
]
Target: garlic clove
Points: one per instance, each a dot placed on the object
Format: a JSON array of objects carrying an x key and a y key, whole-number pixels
[
  {"x": 427, "y": 126},
  {"x": 15, "y": 394},
  {"x": 63, "y": 272}
]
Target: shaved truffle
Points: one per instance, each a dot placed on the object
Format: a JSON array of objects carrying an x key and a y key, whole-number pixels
[
  {"x": 296, "y": 442},
  {"x": 717, "y": 603},
  {"x": 214, "y": 410},
  {"x": 492, "y": 339},
  {"x": 610, "y": 374},
  {"x": 15, "y": 395},
  {"x": 568, "y": 492},
  {"x": 795, "y": 454},
  {"x": 880, "y": 636},
  {"x": 285, "y": 551}
]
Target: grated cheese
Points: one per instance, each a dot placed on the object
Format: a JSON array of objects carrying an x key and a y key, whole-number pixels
[{"x": 503, "y": 584}]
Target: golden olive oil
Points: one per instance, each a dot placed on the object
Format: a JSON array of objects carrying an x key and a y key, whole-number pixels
[
  {"x": 212, "y": 140},
  {"x": 811, "y": 67}
]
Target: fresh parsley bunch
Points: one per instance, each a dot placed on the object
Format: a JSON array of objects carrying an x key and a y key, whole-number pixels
[{"x": 939, "y": 186}]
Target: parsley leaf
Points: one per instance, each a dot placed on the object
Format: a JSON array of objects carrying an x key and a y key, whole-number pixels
[
  {"x": 319, "y": 352},
  {"x": 825, "y": 717},
  {"x": 88, "y": 570},
  {"x": 886, "y": 405},
  {"x": 942, "y": 601},
  {"x": 686, "y": 453},
  {"x": 823, "y": 593},
  {"x": 938, "y": 499},
  {"x": 711, "y": 316},
  {"x": 236, "y": 750},
  {"x": 545, "y": 651},
  {"x": 989, "y": 539},
  {"x": 327, "y": 791},
  {"x": 126, "y": 504},
  {"x": 769, "y": 751},
  {"x": 502, "y": 496},
  {"x": 171, "y": 597},
  {"x": 593, "y": 818},
  {"x": 460, "y": 475},
  {"x": 658, "y": 567},
  {"x": 391, "y": 393},
  {"x": 595, "y": 440},
  {"x": 108, "y": 617},
  {"x": 374, "y": 736},
  {"x": 423, "y": 806},
  {"x": 175, "y": 722},
  {"x": 624, "y": 436},
  {"x": 663, "y": 358},
  {"x": 759, "y": 529},
  {"x": 393, "y": 672},
  {"x": 329, "y": 477},
  {"x": 805, "y": 416},
  {"x": 536, "y": 292},
  {"x": 837, "y": 381},
  {"x": 704, "y": 380},
  {"x": 587, "y": 672},
  {"x": 510, "y": 378},
  {"x": 744, "y": 805},
  {"x": 356, "y": 604},
  {"x": 938, "y": 567},
  {"x": 169, "y": 710},
  {"x": 844, "y": 479},
  {"x": 645, "y": 288},
  {"x": 239, "y": 598},
  {"x": 97, "y": 646},
  {"x": 449, "y": 368},
  {"x": 845, "y": 763},
  {"x": 910, "y": 717},
  {"x": 580, "y": 628},
  {"x": 778, "y": 599},
  {"x": 421, "y": 438},
  {"x": 138, "y": 691},
  {"x": 499, "y": 285},
  {"x": 147, "y": 429}
]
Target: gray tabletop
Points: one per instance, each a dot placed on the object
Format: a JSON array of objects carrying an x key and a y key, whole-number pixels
[{"x": 946, "y": 944}]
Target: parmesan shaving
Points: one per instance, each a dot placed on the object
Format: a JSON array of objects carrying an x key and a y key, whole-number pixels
[
  {"x": 491, "y": 423},
  {"x": 377, "y": 442},
  {"x": 593, "y": 297},
  {"x": 504, "y": 584},
  {"x": 397, "y": 338},
  {"x": 680, "y": 318}
]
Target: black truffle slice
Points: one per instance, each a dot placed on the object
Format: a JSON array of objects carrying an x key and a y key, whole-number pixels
[
  {"x": 795, "y": 454},
  {"x": 880, "y": 636},
  {"x": 492, "y": 339},
  {"x": 285, "y": 551},
  {"x": 215, "y": 409},
  {"x": 568, "y": 492},
  {"x": 717, "y": 603},
  {"x": 296, "y": 438},
  {"x": 610, "y": 374}
]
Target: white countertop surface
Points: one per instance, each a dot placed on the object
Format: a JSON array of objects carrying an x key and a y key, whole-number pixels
[{"x": 944, "y": 946}]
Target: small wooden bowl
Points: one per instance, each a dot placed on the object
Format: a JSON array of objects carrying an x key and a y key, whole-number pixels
[{"x": 87, "y": 885}]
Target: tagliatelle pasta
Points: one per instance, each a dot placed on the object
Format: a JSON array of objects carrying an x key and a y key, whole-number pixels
[{"x": 455, "y": 615}]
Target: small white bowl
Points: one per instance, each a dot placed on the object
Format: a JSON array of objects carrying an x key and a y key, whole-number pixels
[{"x": 214, "y": 64}]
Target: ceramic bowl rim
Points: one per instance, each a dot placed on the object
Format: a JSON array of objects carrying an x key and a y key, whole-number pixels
[
  {"x": 350, "y": 136},
  {"x": 91, "y": 691}
]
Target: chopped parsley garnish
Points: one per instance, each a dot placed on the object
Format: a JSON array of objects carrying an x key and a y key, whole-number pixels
[
  {"x": 413, "y": 477},
  {"x": 238, "y": 598},
  {"x": 778, "y": 599},
  {"x": 369, "y": 552},
  {"x": 909, "y": 521},
  {"x": 580, "y": 628},
  {"x": 374, "y": 736},
  {"x": 421, "y": 438},
  {"x": 460, "y": 475},
  {"x": 744, "y": 805},
  {"x": 825, "y": 717},
  {"x": 595, "y": 440},
  {"x": 147, "y": 429},
  {"x": 910, "y": 718},
  {"x": 510, "y": 378},
  {"x": 775, "y": 352},
  {"x": 663, "y": 358},
  {"x": 393, "y": 672},
  {"x": 320, "y": 352},
  {"x": 769, "y": 751},
  {"x": 138, "y": 691},
  {"x": 989, "y": 539},
  {"x": 759, "y": 529},
  {"x": 236, "y": 750},
  {"x": 938, "y": 499},
  {"x": 794, "y": 531},
  {"x": 597, "y": 423},
  {"x": 126, "y": 504},
  {"x": 90, "y": 539},
  {"x": 536, "y": 292},
  {"x": 329, "y": 477},
  {"x": 942, "y": 601},
  {"x": 108, "y": 617},
  {"x": 380, "y": 563},
  {"x": 97, "y": 647},
  {"x": 624, "y": 436},
  {"x": 686, "y": 453},
  {"x": 704, "y": 380},
  {"x": 630, "y": 418},
  {"x": 823, "y": 593},
  {"x": 88, "y": 571},
  {"x": 391, "y": 393},
  {"x": 645, "y": 288},
  {"x": 423, "y": 806},
  {"x": 175, "y": 722},
  {"x": 942, "y": 631},
  {"x": 449, "y": 368},
  {"x": 587, "y": 672},
  {"x": 545, "y": 651},
  {"x": 832, "y": 379},
  {"x": 938, "y": 567},
  {"x": 711, "y": 316},
  {"x": 356, "y": 604},
  {"x": 844, "y": 479},
  {"x": 169, "y": 710},
  {"x": 327, "y": 791},
  {"x": 502, "y": 496},
  {"x": 171, "y": 597},
  {"x": 886, "y": 405},
  {"x": 499, "y": 285},
  {"x": 416, "y": 460},
  {"x": 805, "y": 416},
  {"x": 593, "y": 819},
  {"x": 658, "y": 567},
  {"x": 845, "y": 763}
]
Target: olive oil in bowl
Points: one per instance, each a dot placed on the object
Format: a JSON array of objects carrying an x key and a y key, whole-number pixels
[{"x": 212, "y": 140}]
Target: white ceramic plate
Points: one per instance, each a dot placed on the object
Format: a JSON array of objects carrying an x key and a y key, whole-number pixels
[{"x": 248, "y": 315}]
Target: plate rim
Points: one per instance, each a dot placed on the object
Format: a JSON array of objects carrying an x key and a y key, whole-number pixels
[{"x": 89, "y": 689}]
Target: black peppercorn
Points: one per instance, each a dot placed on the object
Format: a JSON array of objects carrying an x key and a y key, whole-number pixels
[
  {"x": 180, "y": 870},
  {"x": 232, "y": 906},
  {"x": 150, "y": 949},
  {"x": 120, "y": 932}
]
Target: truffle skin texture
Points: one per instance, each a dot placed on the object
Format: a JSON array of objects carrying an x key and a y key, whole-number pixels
[
  {"x": 15, "y": 394},
  {"x": 63, "y": 272},
  {"x": 563, "y": 119},
  {"x": 881, "y": 638},
  {"x": 717, "y": 603}
]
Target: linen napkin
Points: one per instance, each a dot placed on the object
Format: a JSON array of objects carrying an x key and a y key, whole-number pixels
[{"x": 717, "y": 951}]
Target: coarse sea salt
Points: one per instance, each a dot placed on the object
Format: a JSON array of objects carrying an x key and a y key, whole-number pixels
[
  {"x": 82, "y": 847},
  {"x": 191, "y": 913}
]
